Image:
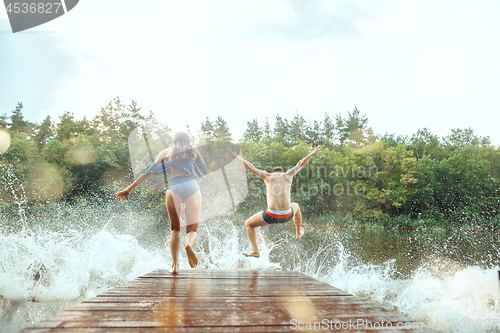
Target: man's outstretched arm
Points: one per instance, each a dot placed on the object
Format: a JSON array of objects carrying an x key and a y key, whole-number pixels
[
  {"x": 247, "y": 165},
  {"x": 302, "y": 163}
]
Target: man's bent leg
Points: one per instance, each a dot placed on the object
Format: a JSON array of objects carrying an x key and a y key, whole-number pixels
[
  {"x": 297, "y": 220},
  {"x": 252, "y": 223}
]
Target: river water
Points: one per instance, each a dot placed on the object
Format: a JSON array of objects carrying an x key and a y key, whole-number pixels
[{"x": 67, "y": 253}]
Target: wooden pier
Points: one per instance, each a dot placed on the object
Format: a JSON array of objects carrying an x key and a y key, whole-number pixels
[{"x": 225, "y": 301}]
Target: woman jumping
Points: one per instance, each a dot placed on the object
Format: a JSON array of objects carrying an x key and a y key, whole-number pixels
[{"x": 185, "y": 164}]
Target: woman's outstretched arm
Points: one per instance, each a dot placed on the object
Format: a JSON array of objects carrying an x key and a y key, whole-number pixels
[
  {"x": 142, "y": 178},
  {"x": 126, "y": 192}
]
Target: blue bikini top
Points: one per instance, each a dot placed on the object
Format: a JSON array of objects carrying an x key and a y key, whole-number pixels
[{"x": 192, "y": 167}]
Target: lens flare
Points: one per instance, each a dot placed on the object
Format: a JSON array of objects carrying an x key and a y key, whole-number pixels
[
  {"x": 169, "y": 313},
  {"x": 114, "y": 180},
  {"x": 299, "y": 307},
  {"x": 4, "y": 141},
  {"x": 45, "y": 182},
  {"x": 83, "y": 155}
]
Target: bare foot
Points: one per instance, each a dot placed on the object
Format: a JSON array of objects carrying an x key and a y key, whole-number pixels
[
  {"x": 252, "y": 254},
  {"x": 174, "y": 270},
  {"x": 300, "y": 233},
  {"x": 193, "y": 259}
]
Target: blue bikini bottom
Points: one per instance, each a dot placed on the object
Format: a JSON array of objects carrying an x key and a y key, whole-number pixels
[{"x": 183, "y": 186}]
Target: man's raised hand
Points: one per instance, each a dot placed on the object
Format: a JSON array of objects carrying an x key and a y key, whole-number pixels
[
  {"x": 231, "y": 153},
  {"x": 316, "y": 150}
]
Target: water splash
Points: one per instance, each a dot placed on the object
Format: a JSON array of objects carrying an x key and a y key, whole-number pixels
[
  {"x": 13, "y": 190},
  {"x": 72, "y": 252},
  {"x": 223, "y": 244},
  {"x": 49, "y": 266}
]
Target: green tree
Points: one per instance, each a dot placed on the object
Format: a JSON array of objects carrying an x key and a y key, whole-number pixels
[
  {"x": 394, "y": 140},
  {"x": 3, "y": 121},
  {"x": 458, "y": 189},
  {"x": 352, "y": 126},
  {"x": 460, "y": 138},
  {"x": 298, "y": 127},
  {"x": 217, "y": 130},
  {"x": 221, "y": 130},
  {"x": 131, "y": 117},
  {"x": 207, "y": 129},
  {"x": 21, "y": 149},
  {"x": 15, "y": 167},
  {"x": 424, "y": 143},
  {"x": 67, "y": 127},
  {"x": 253, "y": 132},
  {"x": 328, "y": 132},
  {"x": 282, "y": 131},
  {"x": 353, "y": 130},
  {"x": 55, "y": 152},
  {"x": 384, "y": 174},
  {"x": 17, "y": 122},
  {"x": 267, "y": 137},
  {"x": 85, "y": 127},
  {"x": 109, "y": 123},
  {"x": 313, "y": 134},
  {"x": 88, "y": 164},
  {"x": 44, "y": 132},
  {"x": 492, "y": 155}
]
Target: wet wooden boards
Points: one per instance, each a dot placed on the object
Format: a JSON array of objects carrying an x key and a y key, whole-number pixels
[{"x": 226, "y": 301}]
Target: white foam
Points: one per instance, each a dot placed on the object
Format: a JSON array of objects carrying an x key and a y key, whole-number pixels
[
  {"x": 439, "y": 291},
  {"x": 225, "y": 248},
  {"x": 47, "y": 266},
  {"x": 80, "y": 263}
]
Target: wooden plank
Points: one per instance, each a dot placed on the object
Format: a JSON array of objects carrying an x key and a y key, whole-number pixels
[
  {"x": 263, "y": 313},
  {"x": 240, "y": 287},
  {"x": 235, "y": 292},
  {"x": 204, "y": 322},
  {"x": 202, "y": 284},
  {"x": 220, "y": 301},
  {"x": 103, "y": 306},
  {"x": 224, "y": 275},
  {"x": 221, "y": 329}
]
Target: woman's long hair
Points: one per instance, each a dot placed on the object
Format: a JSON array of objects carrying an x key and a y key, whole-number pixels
[{"x": 182, "y": 146}]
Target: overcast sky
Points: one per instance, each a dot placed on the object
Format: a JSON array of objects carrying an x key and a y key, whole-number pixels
[{"x": 405, "y": 64}]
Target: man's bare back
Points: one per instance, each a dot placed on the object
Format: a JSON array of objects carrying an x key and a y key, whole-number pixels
[
  {"x": 280, "y": 209},
  {"x": 278, "y": 187}
]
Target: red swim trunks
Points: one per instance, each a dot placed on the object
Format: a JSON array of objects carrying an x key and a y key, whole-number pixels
[{"x": 269, "y": 217}]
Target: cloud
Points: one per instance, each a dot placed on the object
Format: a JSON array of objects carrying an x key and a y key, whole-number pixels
[
  {"x": 314, "y": 19},
  {"x": 33, "y": 69}
]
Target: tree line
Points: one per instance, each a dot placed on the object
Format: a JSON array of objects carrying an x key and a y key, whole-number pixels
[{"x": 451, "y": 180}]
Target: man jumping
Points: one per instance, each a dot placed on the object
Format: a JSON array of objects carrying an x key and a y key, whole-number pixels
[{"x": 279, "y": 208}]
